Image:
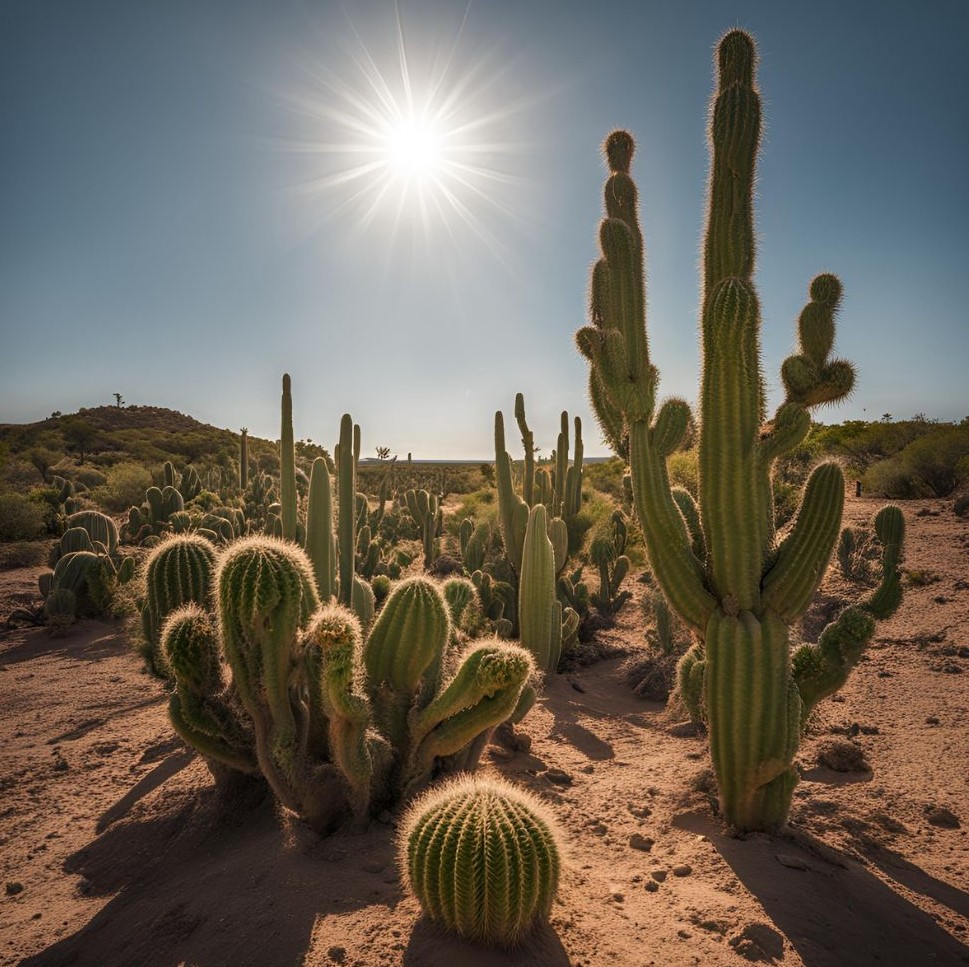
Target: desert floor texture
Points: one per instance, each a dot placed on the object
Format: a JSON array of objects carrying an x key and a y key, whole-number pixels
[{"x": 114, "y": 849}]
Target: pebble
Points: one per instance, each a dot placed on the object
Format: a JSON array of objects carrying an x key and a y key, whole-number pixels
[
  {"x": 932, "y": 720},
  {"x": 941, "y": 817},
  {"x": 588, "y": 769},
  {"x": 373, "y": 866},
  {"x": 658, "y": 875},
  {"x": 337, "y": 954},
  {"x": 651, "y": 886},
  {"x": 640, "y": 842},
  {"x": 683, "y": 869},
  {"x": 619, "y": 897},
  {"x": 558, "y": 777}
]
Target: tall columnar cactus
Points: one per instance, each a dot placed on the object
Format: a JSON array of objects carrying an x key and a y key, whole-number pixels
[
  {"x": 178, "y": 571},
  {"x": 346, "y": 453},
  {"x": 320, "y": 539},
  {"x": 539, "y": 610},
  {"x": 741, "y": 587},
  {"x": 287, "y": 463},
  {"x": 244, "y": 459},
  {"x": 482, "y": 858}
]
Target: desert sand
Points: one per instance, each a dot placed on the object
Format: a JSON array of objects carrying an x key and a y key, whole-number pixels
[{"x": 115, "y": 849}]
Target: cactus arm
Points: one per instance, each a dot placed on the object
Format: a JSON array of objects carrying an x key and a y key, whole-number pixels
[
  {"x": 561, "y": 468},
  {"x": 677, "y": 569},
  {"x": 287, "y": 463},
  {"x": 890, "y": 531},
  {"x": 211, "y": 746},
  {"x": 804, "y": 554}
]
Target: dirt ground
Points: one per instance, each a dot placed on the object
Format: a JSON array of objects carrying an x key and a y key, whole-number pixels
[{"x": 114, "y": 849}]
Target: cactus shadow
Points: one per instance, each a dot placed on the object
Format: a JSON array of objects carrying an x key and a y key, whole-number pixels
[
  {"x": 88, "y": 640},
  {"x": 829, "y": 907},
  {"x": 189, "y": 876},
  {"x": 432, "y": 946}
]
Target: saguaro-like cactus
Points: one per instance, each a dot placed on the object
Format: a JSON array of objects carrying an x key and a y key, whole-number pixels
[
  {"x": 482, "y": 858},
  {"x": 287, "y": 464},
  {"x": 739, "y": 588}
]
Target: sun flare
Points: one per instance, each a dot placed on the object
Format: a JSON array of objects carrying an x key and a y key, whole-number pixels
[{"x": 409, "y": 137}]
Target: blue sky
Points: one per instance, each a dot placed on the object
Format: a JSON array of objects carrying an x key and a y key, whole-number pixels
[{"x": 164, "y": 232}]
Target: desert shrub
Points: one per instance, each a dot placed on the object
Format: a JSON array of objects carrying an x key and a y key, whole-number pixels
[
  {"x": 606, "y": 477},
  {"x": 961, "y": 505},
  {"x": 935, "y": 464},
  {"x": 23, "y": 554},
  {"x": 124, "y": 486},
  {"x": 90, "y": 477},
  {"x": 683, "y": 471},
  {"x": 21, "y": 519}
]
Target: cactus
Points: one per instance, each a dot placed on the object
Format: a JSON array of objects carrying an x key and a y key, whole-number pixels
[
  {"x": 429, "y": 516},
  {"x": 741, "y": 587},
  {"x": 539, "y": 610},
  {"x": 482, "y": 859},
  {"x": 287, "y": 464},
  {"x": 462, "y": 601},
  {"x": 606, "y": 553},
  {"x": 474, "y": 540},
  {"x": 346, "y": 453},
  {"x": 244, "y": 459},
  {"x": 320, "y": 539},
  {"x": 178, "y": 571},
  {"x": 341, "y": 724}
]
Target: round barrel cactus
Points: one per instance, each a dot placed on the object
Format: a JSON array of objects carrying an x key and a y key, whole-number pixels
[{"x": 482, "y": 859}]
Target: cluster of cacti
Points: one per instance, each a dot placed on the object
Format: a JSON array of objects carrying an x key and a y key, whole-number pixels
[
  {"x": 340, "y": 722},
  {"x": 87, "y": 567},
  {"x": 721, "y": 566},
  {"x": 482, "y": 859},
  {"x": 429, "y": 516},
  {"x": 188, "y": 483},
  {"x": 163, "y": 510},
  {"x": 607, "y": 553},
  {"x": 474, "y": 539}
]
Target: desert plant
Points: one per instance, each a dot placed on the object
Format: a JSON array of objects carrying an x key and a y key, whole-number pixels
[
  {"x": 748, "y": 587},
  {"x": 179, "y": 571},
  {"x": 341, "y": 724},
  {"x": 428, "y": 515},
  {"x": 21, "y": 519},
  {"x": 482, "y": 858},
  {"x": 607, "y": 553}
]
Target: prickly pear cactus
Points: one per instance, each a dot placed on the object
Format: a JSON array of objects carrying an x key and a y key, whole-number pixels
[{"x": 482, "y": 858}]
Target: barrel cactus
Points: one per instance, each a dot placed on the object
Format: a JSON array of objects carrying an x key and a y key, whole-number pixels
[
  {"x": 178, "y": 571},
  {"x": 482, "y": 858},
  {"x": 736, "y": 582}
]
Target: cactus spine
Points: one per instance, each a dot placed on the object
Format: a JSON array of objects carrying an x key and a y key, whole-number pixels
[
  {"x": 482, "y": 859},
  {"x": 738, "y": 588},
  {"x": 287, "y": 464}
]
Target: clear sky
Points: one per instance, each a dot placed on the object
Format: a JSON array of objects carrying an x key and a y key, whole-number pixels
[{"x": 197, "y": 196}]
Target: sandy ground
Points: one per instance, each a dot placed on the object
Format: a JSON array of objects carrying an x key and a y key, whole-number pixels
[{"x": 114, "y": 849}]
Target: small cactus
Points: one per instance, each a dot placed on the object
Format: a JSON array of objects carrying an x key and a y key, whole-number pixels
[{"x": 482, "y": 858}]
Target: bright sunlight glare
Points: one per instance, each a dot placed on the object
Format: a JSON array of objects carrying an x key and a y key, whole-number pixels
[{"x": 401, "y": 137}]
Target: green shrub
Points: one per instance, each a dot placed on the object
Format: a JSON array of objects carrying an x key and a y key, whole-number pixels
[
  {"x": 124, "y": 486},
  {"x": 936, "y": 464},
  {"x": 21, "y": 519},
  {"x": 683, "y": 472}
]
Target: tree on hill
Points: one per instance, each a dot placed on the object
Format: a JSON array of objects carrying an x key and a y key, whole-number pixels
[{"x": 79, "y": 435}]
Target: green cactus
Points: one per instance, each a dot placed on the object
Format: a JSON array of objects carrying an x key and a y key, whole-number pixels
[
  {"x": 606, "y": 553},
  {"x": 740, "y": 587},
  {"x": 482, "y": 859},
  {"x": 244, "y": 459},
  {"x": 287, "y": 464},
  {"x": 179, "y": 571},
  {"x": 474, "y": 540},
  {"x": 429, "y": 516},
  {"x": 539, "y": 610},
  {"x": 320, "y": 539},
  {"x": 347, "y": 452},
  {"x": 463, "y": 602}
]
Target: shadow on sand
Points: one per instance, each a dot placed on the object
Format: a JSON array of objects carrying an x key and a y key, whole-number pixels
[
  {"x": 430, "y": 946},
  {"x": 830, "y": 908}
]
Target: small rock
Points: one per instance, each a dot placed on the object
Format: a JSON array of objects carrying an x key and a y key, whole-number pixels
[
  {"x": 658, "y": 875},
  {"x": 757, "y": 941},
  {"x": 373, "y": 866},
  {"x": 337, "y": 954},
  {"x": 36, "y": 916},
  {"x": 598, "y": 829},
  {"x": 588, "y": 769},
  {"x": 640, "y": 812},
  {"x": 683, "y": 869},
  {"x": 884, "y": 674},
  {"x": 791, "y": 861},
  {"x": 619, "y": 897},
  {"x": 651, "y": 886},
  {"x": 640, "y": 842},
  {"x": 576, "y": 686},
  {"x": 13, "y": 888},
  {"x": 60, "y": 763},
  {"x": 842, "y": 756},
  {"x": 932, "y": 720},
  {"x": 684, "y": 934},
  {"x": 558, "y": 777},
  {"x": 942, "y": 817}
]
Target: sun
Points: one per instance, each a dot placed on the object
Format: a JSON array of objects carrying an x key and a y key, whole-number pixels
[
  {"x": 415, "y": 149},
  {"x": 395, "y": 137}
]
